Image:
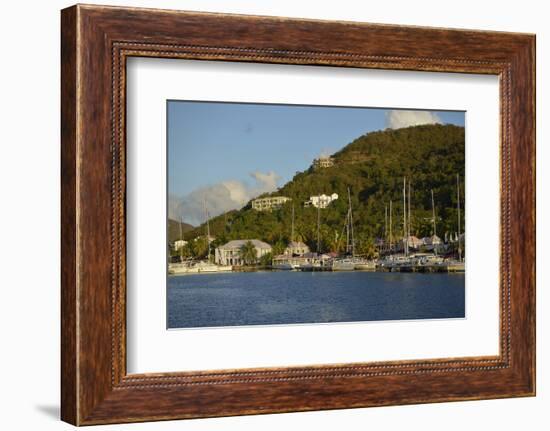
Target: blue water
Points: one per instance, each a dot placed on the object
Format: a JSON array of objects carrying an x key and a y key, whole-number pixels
[{"x": 284, "y": 297}]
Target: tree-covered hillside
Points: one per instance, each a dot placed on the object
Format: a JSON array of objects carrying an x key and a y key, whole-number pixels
[{"x": 372, "y": 167}]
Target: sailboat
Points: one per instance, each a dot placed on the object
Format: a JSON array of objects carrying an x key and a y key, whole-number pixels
[
  {"x": 203, "y": 266},
  {"x": 209, "y": 266},
  {"x": 314, "y": 262},
  {"x": 286, "y": 264},
  {"x": 404, "y": 262},
  {"x": 349, "y": 261},
  {"x": 359, "y": 263},
  {"x": 457, "y": 265},
  {"x": 396, "y": 262},
  {"x": 183, "y": 266}
]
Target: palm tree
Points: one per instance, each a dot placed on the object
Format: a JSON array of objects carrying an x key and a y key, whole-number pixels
[
  {"x": 248, "y": 253},
  {"x": 266, "y": 259},
  {"x": 367, "y": 249},
  {"x": 279, "y": 248},
  {"x": 200, "y": 247}
]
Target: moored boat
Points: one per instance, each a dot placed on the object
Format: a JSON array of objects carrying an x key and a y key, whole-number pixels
[
  {"x": 181, "y": 268},
  {"x": 197, "y": 268},
  {"x": 365, "y": 265},
  {"x": 455, "y": 266},
  {"x": 205, "y": 267},
  {"x": 343, "y": 264},
  {"x": 285, "y": 266}
]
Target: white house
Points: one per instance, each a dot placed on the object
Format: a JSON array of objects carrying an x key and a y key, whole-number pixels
[
  {"x": 296, "y": 248},
  {"x": 323, "y": 162},
  {"x": 321, "y": 201},
  {"x": 230, "y": 253},
  {"x": 414, "y": 242}
]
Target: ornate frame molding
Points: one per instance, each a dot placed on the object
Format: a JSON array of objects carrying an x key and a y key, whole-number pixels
[{"x": 96, "y": 41}]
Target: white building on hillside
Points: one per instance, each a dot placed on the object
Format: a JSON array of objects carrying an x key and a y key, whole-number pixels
[
  {"x": 323, "y": 162},
  {"x": 269, "y": 203},
  {"x": 321, "y": 201},
  {"x": 230, "y": 253}
]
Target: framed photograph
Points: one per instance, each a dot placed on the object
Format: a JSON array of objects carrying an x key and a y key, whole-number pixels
[{"x": 264, "y": 215}]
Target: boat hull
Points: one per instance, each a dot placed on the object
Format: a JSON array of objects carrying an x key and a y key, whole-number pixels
[
  {"x": 365, "y": 267},
  {"x": 343, "y": 265},
  {"x": 199, "y": 268},
  {"x": 283, "y": 267}
]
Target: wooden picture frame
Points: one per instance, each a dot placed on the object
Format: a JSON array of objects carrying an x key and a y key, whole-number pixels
[{"x": 95, "y": 43}]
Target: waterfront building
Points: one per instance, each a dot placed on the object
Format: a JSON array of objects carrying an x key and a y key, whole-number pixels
[
  {"x": 321, "y": 201},
  {"x": 323, "y": 162},
  {"x": 431, "y": 240},
  {"x": 230, "y": 253},
  {"x": 269, "y": 203},
  {"x": 414, "y": 242},
  {"x": 296, "y": 248},
  {"x": 288, "y": 261},
  {"x": 432, "y": 243}
]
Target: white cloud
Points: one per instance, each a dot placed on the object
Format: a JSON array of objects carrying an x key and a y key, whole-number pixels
[
  {"x": 238, "y": 192},
  {"x": 220, "y": 197},
  {"x": 396, "y": 119},
  {"x": 265, "y": 182}
]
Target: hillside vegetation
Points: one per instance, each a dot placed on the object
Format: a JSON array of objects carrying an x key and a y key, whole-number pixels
[
  {"x": 372, "y": 167},
  {"x": 174, "y": 230}
]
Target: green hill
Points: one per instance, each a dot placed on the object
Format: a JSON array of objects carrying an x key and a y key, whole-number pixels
[
  {"x": 174, "y": 230},
  {"x": 373, "y": 167}
]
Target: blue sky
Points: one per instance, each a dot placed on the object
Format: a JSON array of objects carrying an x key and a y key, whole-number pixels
[{"x": 241, "y": 150}]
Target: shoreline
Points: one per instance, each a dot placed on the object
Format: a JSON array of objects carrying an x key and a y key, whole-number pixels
[{"x": 258, "y": 270}]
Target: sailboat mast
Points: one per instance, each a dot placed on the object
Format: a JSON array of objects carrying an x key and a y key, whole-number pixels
[
  {"x": 433, "y": 213},
  {"x": 385, "y": 224},
  {"x": 292, "y": 230},
  {"x": 433, "y": 218},
  {"x": 347, "y": 232},
  {"x": 458, "y": 206},
  {"x": 318, "y": 224},
  {"x": 405, "y": 240},
  {"x": 352, "y": 244},
  {"x": 181, "y": 228},
  {"x": 207, "y": 227},
  {"x": 409, "y": 216},
  {"x": 390, "y": 225}
]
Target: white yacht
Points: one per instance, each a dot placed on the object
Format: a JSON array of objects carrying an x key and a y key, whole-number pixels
[
  {"x": 343, "y": 264},
  {"x": 283, "y": 266},
  {"x": 201, "y": 267}
]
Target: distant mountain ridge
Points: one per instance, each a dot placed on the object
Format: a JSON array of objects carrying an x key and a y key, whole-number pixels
[
  {"x": 174, "y": 229},
  {"x": 372, "y": 167}
]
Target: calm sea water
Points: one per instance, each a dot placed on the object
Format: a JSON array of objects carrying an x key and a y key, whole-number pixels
[{"x": 283, "y": 297}]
